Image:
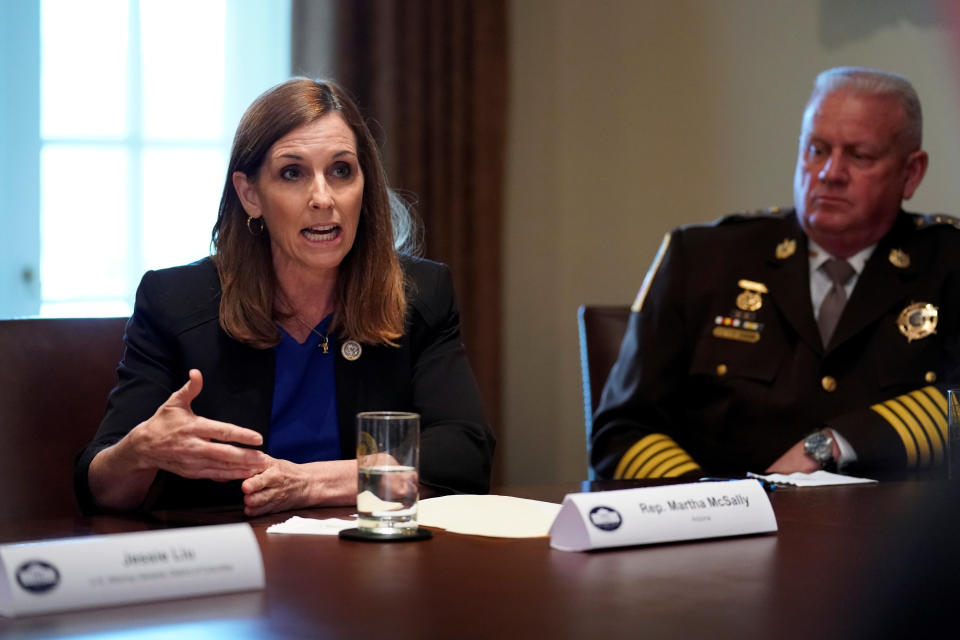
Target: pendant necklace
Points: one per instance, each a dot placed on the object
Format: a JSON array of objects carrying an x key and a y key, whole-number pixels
[{"x": 325, "y": 345}]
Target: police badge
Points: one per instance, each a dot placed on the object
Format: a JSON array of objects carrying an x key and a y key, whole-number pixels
[
  {"x": 917, "y": 321},
  {"x": 751, "y": 298}
]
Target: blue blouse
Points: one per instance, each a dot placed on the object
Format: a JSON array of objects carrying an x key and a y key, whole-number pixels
[{"x": 303, "y": 420}]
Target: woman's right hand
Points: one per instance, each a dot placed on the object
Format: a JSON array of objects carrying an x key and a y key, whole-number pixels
[{"x": 174, "y": 439}]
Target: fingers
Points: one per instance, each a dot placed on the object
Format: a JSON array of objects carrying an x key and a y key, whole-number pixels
[
  {"x": 265, "y": 477},
  {"x": 253, "y": 484},
  {"x": 268, "y": 500},
  {"x": 193, "y": 457},
  {"x": 213, "y": 470},
  {"x": 259, "y": 495},
  {"x": 183, "y": 396},
  {"x": 225, "y": 475},
  {"x": 175, "y": 439},
  {"x": 280, "y": 486},
  {"x": 206, "y": 428},
  {"x": 228, "y": 456},
  {"x": 253, "y": 510},
  {"x": 225, "y": 432},
  {"x": 215, "y": 457}
]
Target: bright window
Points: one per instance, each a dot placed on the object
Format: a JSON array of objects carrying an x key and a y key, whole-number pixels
[{"x": 138, "y": 101}]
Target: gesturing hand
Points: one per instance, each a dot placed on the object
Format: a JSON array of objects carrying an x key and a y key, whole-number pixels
[{"x": 175, "y": 439}]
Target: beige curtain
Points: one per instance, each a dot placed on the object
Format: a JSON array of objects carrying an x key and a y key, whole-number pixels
[{"x": 433, "y": 74}]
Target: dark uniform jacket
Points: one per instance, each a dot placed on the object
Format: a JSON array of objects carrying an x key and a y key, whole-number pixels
[
  {"x": 175, "y": 328},
  {"x": 722, "y": 369}
]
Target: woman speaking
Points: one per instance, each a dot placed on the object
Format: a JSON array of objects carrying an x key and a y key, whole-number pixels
[{"x": 243, "y": 372}]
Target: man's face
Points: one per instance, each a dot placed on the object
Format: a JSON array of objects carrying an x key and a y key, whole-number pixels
[{"x": 853, "y": 170}]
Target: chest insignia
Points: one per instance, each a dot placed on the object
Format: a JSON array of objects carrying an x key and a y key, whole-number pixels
[
  {"x": 751, "y": 298},
  {"x": 351, "y": 350},
  {"x": 786, "y": 248},
  {"x": 899, "y": 258},
  {"x": 917, "y": 321},
  {"x": 733, "y": 328}
]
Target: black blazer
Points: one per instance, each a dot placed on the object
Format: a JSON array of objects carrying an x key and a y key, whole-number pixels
[
  {"x": 175, "y": 328},
  {"x": 735, "y": 400}
]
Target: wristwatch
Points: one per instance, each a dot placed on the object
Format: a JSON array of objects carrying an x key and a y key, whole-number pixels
[{"x": 819, "y": 446}]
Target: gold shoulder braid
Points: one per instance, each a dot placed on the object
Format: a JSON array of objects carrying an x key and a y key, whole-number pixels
[{"x": 922, "y": 221}]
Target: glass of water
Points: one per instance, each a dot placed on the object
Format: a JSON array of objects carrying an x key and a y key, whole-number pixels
[{"x": 388, "y": 456}]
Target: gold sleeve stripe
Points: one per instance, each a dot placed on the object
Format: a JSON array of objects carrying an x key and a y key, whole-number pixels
[
  {"x": 651, "y": 272},
  {"x": 929, "y": 428},
  {"x": 936, "y": 407},
  {"x": 660, "y": 464},
  {"x": 664, "y": 461},
  {"x": 902, "y": 431},
  {"x": 635, "y": 450},
  {"x": 923, "y": 444},
  {"x": 642, "y": 466},
  {"x": 647, "y": 457},
  {"x": 683, "y": 468},
  {"x": 937, "y": 397},
  {"x": 677, "y": 456},
  {"x": 940, "y": 401}
]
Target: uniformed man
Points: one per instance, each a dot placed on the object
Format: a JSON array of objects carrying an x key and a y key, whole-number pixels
[{"x": 808, "y": 338}]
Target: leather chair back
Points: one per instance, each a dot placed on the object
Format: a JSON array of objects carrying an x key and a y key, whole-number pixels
[
  {"x": 601, "y": 331},
  {"x": 55, "y": 375}
]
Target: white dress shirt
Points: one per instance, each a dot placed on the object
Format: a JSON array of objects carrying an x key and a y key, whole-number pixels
[
  {"x": 820, "y": 285},
  {"x": 820, "y": 282}
]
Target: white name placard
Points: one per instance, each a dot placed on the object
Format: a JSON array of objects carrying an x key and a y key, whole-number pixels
[
  {"x": 97, "y": 571},
  {"x": 669, "y": 513}
]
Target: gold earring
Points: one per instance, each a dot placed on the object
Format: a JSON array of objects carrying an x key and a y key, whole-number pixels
[{"x": 258, "y": 224}]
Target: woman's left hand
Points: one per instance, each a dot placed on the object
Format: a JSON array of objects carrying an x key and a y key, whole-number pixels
[{"x": 286, "y": 485}]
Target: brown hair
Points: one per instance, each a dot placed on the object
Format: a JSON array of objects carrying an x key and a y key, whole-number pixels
[{"x": 371, "y": 302}]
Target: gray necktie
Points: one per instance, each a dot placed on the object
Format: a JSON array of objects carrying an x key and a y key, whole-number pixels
[{"x": 839, "y": 272}]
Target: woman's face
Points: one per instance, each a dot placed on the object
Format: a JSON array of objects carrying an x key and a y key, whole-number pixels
[{"x": 308, "y": 191}]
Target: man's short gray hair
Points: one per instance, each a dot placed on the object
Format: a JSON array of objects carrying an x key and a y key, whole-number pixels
[{"x": 876, "y": 82}]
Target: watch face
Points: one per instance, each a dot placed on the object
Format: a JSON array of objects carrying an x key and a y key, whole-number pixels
[{"x": 819, "y": 446}]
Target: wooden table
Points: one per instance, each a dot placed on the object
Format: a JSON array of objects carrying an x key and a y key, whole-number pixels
[{"x": 796, "y": 583}]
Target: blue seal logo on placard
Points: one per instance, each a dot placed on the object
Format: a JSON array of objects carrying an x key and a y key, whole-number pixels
[
  {"x": 37, "y": 576},
  {"x": 605, "y": 518}
]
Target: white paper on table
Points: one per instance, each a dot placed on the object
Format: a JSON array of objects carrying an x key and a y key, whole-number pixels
[
  {"x": 312, "y": 526},
  {"x": 819, "y": 478},
  {"x": 369, "y": 502},
  {"x": 488, "y": 515}
]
